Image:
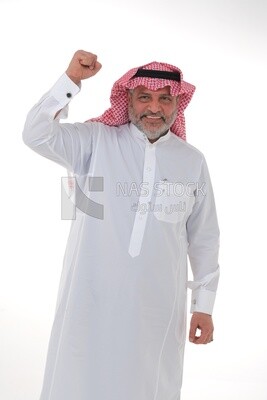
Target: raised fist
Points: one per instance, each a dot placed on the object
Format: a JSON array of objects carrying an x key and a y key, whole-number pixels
[{"x": 82, "y": 66}]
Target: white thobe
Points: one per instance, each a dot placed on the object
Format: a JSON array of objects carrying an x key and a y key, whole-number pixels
[{"x": 120, "y": 321}]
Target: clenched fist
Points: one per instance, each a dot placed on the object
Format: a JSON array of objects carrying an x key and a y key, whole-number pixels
[
  {"x": 82, "y": 66},
  {"x": 204, "y": 323}
]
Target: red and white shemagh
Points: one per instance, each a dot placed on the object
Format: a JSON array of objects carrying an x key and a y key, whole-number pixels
[{"x": 117, "y": 114}]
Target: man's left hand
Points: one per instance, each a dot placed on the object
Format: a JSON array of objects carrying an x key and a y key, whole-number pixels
[{"x": 204, "y": 323}]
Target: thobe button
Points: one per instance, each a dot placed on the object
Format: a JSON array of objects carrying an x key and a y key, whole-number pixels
[
  {"x": 194, "y": 301},
  {"x": 68, "y": 94},
  {"x": 148, "y": 169}
]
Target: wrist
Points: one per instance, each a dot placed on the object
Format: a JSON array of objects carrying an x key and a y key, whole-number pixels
[
  {"x": 74, "y": 79},
  {"x": 202, "y": 313}
]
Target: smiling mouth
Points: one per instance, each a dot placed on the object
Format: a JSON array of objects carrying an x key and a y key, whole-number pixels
[{"x": 153, "y": 118}]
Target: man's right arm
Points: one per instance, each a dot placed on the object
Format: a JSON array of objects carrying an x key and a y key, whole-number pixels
[
  {"x": 44, "y": 133},
  {"x": 65, "y": 144}
]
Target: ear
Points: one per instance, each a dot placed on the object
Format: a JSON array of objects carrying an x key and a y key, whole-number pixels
[{"x": 129, "y": 95}]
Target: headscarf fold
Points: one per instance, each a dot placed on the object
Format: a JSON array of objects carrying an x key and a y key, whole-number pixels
[{"x": 117, "y": 114}]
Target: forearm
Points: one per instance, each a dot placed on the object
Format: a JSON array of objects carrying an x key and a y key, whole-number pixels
[
  {"x": 40, "y": 123},
  {"x": 203, "y": 254},
  {"x": 43, "y": 133}
]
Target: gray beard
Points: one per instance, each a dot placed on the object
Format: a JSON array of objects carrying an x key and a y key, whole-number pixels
[{"x": 156, "y": 134}]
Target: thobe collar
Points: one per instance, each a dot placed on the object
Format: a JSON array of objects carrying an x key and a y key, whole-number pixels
[{"x": 137, "y": 134}]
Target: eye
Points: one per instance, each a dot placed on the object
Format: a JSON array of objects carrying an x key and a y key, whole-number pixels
[
  {"x": 144, "y": 97},
  {"x": 166, "y": 99}
]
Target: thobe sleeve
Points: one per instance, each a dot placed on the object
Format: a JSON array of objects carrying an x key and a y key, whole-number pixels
[
  {"x": 203, "y": 245},
  {"x": 67, "y": 144}
]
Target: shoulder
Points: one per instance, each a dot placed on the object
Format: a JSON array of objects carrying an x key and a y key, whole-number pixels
[
  {"x": 103, "y": 128},
  {"x": 96, "y": 129},
  {"x": 187, "y": 148}
]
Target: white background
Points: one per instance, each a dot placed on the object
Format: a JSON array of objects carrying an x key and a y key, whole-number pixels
[{"x": 221, "y": 48}]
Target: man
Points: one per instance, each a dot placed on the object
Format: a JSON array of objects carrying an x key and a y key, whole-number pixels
[{"x": 120, "y": 323}]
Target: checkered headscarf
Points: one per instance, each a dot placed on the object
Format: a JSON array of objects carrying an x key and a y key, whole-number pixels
[{"x": 117, "y": 114}]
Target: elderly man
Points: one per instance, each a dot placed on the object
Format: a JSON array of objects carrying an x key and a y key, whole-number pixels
[{"x": 120, "y": 323}]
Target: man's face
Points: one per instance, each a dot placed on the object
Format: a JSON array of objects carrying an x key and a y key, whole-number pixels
[{"x": 152, "y": 112}]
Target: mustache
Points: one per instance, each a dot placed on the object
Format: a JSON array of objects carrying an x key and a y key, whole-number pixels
[{"x": 150, "y": 114}]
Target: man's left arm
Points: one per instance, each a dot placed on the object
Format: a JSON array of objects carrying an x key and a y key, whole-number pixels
[{"x": 203, "y": 249}]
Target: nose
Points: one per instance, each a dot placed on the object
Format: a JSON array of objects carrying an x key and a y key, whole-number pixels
[{"x": 154, "y": 106}]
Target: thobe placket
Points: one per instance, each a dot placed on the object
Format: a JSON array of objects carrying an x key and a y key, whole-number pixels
[{"x": 142, "y": 212}]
